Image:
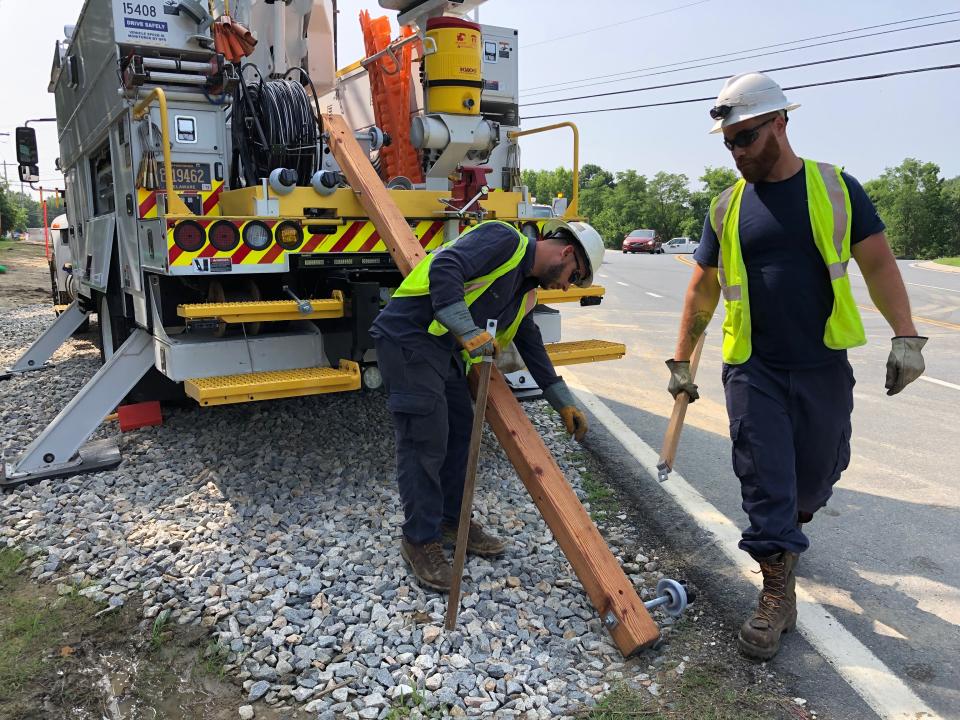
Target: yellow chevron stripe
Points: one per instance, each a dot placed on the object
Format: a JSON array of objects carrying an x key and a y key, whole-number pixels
[
  {"x": 361, "y": 237},
  {"x": 330, "y": 240}
]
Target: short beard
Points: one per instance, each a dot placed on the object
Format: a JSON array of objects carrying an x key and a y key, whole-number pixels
[
  {"x": 551, "y": 275},
  {"x": 757, "y": 169}
]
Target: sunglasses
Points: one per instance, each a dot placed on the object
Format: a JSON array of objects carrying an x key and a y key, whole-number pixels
[
  {"x": 745, "y": 138},
  {"x": 576, "y": 276}
]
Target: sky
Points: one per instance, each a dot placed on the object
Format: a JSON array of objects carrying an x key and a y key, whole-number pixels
[{"x": 865, "y": 126}]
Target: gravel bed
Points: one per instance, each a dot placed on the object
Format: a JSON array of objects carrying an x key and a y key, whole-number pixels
[{"x": 276, "y": 526}]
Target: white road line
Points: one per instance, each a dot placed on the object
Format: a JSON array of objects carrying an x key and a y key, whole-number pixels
[
  {"x": 879, "y": 687},
  {"x": 932, "y": 287},
  {"x": 654, "y": 294},
  {"x": 623, "y": 283},
  {"x": 944, "y": 383}
]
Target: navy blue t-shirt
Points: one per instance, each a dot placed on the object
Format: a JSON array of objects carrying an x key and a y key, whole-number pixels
[
  {"x": 405, "y": 319},
  {"x": 789, "y": 288}
]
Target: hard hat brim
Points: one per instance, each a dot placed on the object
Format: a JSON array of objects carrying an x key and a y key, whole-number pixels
[
  {"x": 554, "y": 224},
  {"x": 747, "y": 113}
]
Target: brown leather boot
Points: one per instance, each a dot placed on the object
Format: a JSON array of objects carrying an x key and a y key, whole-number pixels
[
  {"x": 776, "y": 611},
  {"x": 429, "y": 564},
  {"x": 479, "y": 541}
]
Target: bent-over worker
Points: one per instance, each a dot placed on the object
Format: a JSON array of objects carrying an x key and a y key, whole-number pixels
[
  {"x": 776, "y": 245},
  {"x": 426, "y": 337}
]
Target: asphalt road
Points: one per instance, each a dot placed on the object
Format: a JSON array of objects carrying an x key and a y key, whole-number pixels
[{"x": 884, "y": 553}]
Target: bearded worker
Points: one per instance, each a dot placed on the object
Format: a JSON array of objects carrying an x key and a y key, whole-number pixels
[
  {"x": 426, "y": 338},
  {"x": 776, "y": 246}
]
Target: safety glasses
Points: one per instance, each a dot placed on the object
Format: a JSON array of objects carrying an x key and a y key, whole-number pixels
[
  {"x": 745, "y": 138},
  {"x": 577, "y": 275}
]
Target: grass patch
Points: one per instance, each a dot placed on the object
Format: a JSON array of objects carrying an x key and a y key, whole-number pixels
[
  {"x": 31, "y": 626},
  {"x": 603, "y": 501},
  {"x": 158, "y": 631},
  {"x": 955, "y": 261},
  {"x": 402, "y": 706},
  {"x": 214, "y": 659},
  {"x": 704, "y": 693},
  {"x": 10, "y": 561}
]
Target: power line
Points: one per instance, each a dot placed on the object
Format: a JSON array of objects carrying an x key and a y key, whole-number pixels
[
  {"x": 724, "y": 77},
  {"x": 618, "y": 24},
  {"x": 730, "y": 55},
  {"x": 712, "y": 97}
]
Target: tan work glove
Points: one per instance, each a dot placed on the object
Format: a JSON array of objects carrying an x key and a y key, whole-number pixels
[
  {"x": 574, "y": 421},
  {"x": 561, "y": 400},
  {"x": 905, "y": 362},
  {"x": 480, "y": 344},
  {"x": 680, "y": 380},
  {"x": 458, "y": 320}
]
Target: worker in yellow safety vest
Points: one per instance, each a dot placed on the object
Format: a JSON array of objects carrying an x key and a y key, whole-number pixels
[
  {"x": 430, "y": 330},
  {"x": 776, "y": 245}
]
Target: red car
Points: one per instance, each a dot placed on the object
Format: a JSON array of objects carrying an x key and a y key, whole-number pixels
[{"x": 638, "y": 241}]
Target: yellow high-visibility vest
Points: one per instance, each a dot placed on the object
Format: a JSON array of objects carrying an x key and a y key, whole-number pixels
[
  {"x": 417, "y": 283},
  {"x": 828, "y": 201}
]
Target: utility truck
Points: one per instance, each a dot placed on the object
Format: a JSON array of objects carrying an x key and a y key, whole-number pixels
[{"x": 212, "y": 232}]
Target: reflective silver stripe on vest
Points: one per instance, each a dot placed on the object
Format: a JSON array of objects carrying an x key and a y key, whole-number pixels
[
  {"x": 719, "y": 213},
  {"x": 837, "y": 270},
  {"x": 835, "y": 193}
]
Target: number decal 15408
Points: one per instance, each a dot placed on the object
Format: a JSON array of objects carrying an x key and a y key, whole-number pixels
[{"x": 141, "y": 9}]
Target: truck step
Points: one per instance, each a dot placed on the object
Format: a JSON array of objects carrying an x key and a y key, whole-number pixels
[
  {"x": 574, "y": 294},
  {"x": 584, "y": 351},
  {"x": 263, "y": 310},
  {"x": 273, "y": 384}
]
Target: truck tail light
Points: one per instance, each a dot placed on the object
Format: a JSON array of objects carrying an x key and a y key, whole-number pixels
[
  {"x": 256, "y": 235},
  {"x": 189, "y": 235},
  {"x": 224, "y": 235},
  {"x": 289, "y": 235}
]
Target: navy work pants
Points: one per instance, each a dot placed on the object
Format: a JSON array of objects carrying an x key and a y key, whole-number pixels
[
  {"x": 432, "y": 417},
  {"x": 791, "y": 440}
]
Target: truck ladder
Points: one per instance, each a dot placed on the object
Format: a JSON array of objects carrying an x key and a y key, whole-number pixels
[
  {"x": 609, "y": 589},
  {"x": 57, "y": 450}
]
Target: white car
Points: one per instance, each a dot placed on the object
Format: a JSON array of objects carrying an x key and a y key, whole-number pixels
[{"x": 680, "y": 245}]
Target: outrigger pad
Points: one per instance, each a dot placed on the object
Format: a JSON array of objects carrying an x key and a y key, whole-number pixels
[{"x": 95, "y": 455}]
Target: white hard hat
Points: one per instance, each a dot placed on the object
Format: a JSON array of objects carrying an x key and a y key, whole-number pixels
[
  {"x": 589, "y": 240},
  {"x": 748, "y": 96}
]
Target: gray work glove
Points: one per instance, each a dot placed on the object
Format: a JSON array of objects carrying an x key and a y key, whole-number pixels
[
  {"x": 905, "y": 363},
  {"x": 457, "y": 319},
  {"x": 561, "y": 400},
  {"x": 680, "y": 380}
]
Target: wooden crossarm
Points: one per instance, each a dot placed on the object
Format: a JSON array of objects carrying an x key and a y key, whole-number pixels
[{"x": 607, "y": 586}]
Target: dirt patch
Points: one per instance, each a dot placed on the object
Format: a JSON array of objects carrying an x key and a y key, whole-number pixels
[
  {"x": 62, "y": 655},
  {"x": 27, "y": 276}
]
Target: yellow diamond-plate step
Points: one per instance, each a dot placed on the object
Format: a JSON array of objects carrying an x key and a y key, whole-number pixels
[
  {"x": 572, "y": 295},
  {"x": 263, "y": 310},
  {"x": 584, "y": 351},
  {"x": 273, "y": 384}
]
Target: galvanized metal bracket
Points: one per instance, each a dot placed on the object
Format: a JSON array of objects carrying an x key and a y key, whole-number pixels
[
  {"x": 57, "y": 450},
  {"x": 39, "y": 353}
]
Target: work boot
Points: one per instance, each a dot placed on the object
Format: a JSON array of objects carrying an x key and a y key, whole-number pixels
[
  {"x": 776, "y": 611},
  {"x": 429, "y": 564},
  {"x": 479, "y": 541}
]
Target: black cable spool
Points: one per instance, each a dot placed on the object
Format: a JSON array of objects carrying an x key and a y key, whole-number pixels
[{"x": 273, "y": 125}]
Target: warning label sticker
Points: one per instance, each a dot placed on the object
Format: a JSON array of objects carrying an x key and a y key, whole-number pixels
[{"x": 152, "y": 31}]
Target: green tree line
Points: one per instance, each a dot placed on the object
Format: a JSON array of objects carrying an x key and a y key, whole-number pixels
[
  {"x": 19, "y": 211},
  {"x": 921, "y": 208}
]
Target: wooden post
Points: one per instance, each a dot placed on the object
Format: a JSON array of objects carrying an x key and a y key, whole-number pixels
[{"x": 609, "y": 589}]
